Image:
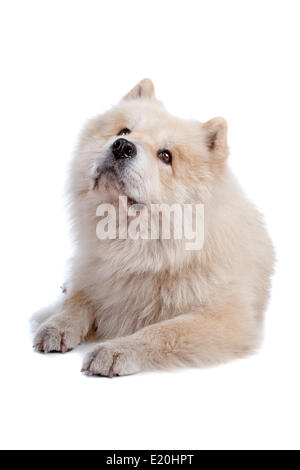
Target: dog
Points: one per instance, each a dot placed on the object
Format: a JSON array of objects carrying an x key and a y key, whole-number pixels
[{"x": 153, "y": 303}]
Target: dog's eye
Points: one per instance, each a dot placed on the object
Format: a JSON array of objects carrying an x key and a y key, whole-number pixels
[
  {"x": 124, "y": 131},
  {"x": 165, "y": 156}
]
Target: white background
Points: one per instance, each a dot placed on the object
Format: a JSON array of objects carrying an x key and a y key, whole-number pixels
[{"x": 65, "y": 61}]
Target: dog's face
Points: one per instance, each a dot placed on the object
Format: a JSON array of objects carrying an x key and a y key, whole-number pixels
[{"x": 139, "y": 150}]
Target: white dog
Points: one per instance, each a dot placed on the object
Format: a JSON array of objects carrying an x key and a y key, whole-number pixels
[{"x": 152, "y": 302}]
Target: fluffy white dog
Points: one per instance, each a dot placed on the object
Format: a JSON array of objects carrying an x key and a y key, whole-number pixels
[{"x": 152, "y": 302}]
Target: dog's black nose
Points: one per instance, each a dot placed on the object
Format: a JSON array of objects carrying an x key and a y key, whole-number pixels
[{"x": 122, "y": 148}]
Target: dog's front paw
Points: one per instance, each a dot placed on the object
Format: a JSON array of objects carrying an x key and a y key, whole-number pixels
[
  {"x": 112, "y": 358},
  {"x": 51, "y": 337}
]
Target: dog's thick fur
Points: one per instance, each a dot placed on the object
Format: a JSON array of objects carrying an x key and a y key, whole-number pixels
[{"x": 153, "y": 303}]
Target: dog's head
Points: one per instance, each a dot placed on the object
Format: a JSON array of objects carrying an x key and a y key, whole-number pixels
[{"x": 139, "y": 150}]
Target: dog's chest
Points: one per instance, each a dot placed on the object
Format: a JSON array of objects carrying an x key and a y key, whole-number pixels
[{"x": 128, "y": 301}]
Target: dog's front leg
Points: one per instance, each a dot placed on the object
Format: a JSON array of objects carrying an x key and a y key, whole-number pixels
[
  {"x": 68, "y": 327},
  {"x": 194, "y": 339}
]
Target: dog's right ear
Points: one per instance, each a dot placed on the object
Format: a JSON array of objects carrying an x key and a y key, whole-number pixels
[{"x": 144, "y": 89}]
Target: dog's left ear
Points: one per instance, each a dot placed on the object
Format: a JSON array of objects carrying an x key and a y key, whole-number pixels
[
  {"x": 144, "y": 89},
  {"x": 215, "y": 136}
]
